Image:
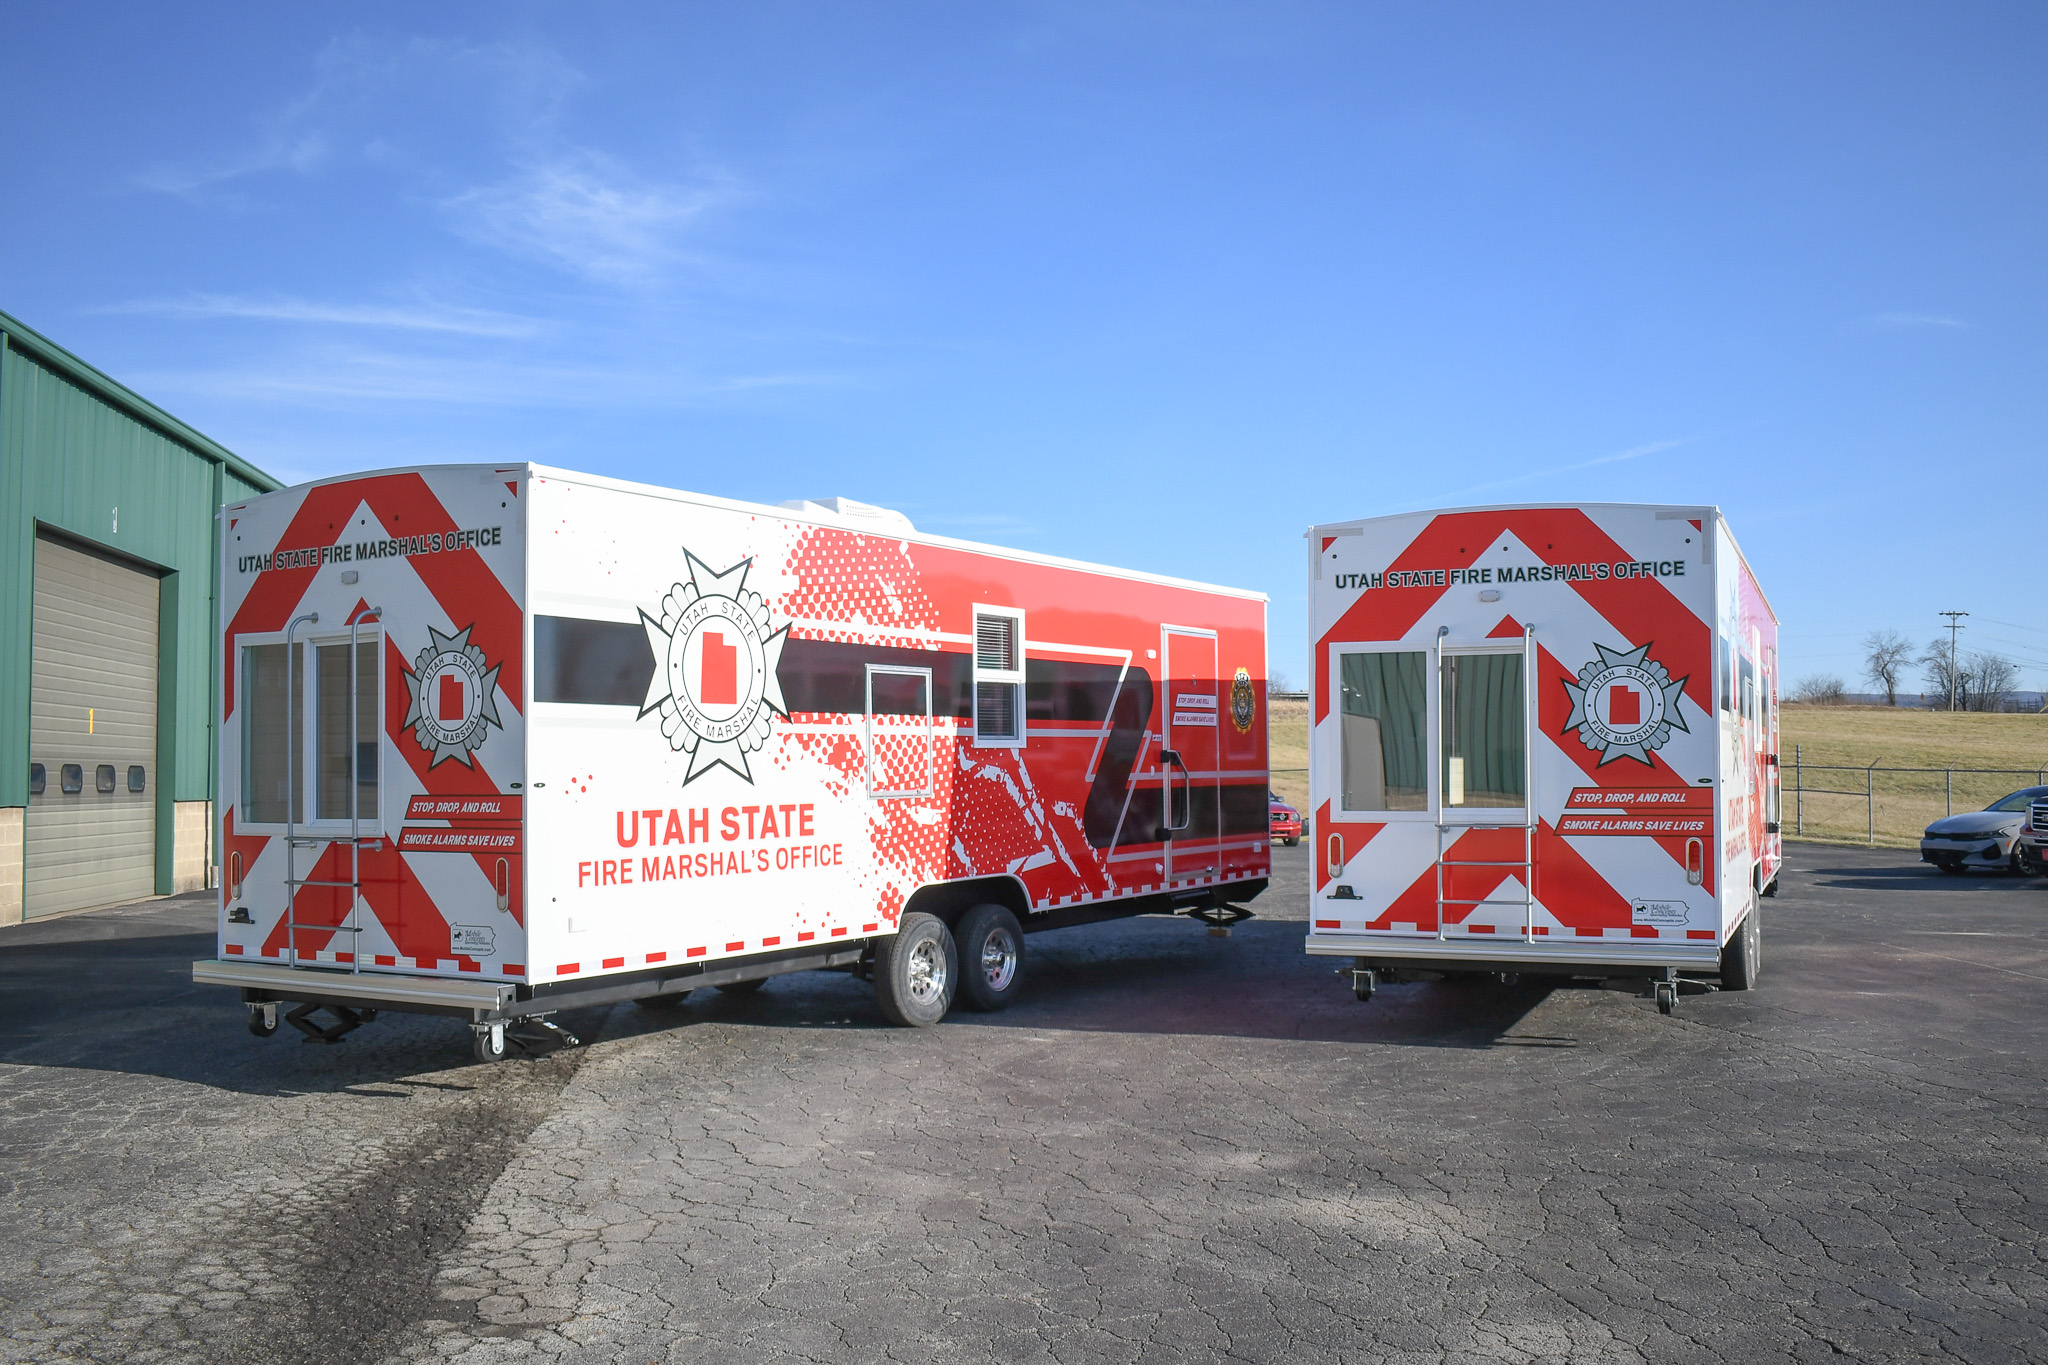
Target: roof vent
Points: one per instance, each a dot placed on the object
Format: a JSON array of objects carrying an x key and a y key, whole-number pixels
[{"x": 884, "y": 520}]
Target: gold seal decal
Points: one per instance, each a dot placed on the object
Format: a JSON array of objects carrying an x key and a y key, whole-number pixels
[{"x": 1243, "y": 701}]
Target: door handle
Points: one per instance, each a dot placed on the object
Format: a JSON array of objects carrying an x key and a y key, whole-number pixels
[
  {"x": 1336, "y": 855},
  {"x": 1187, "y": 814}
]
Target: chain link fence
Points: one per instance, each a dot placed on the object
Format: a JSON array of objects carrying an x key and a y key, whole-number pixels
[{"x": 1885, "y": 806}]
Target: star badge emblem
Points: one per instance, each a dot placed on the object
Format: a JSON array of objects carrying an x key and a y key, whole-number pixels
[
  {"x": 1624, "y": 704},
  {"x": 452, "y": 697},
  {"x": 714, "y": 683}
]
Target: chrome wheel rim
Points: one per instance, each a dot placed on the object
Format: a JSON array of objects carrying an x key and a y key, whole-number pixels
[
  {"x": 927, "y": 972},
  {"x": 999, "y": 959}
]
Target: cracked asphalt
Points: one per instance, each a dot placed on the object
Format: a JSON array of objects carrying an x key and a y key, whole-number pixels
[{"x": 1179, "y": 1147}]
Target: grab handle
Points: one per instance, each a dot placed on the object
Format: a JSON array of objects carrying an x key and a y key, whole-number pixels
[
  {"x": 1336, "y": 852},
  {"x": 504, "y": 885},
  {"x": 1695, "y": 861},
  {"x": 1184, "y": 807}
]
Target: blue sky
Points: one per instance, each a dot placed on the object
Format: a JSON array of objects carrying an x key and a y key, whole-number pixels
[{"x": 1157, "y": 285}]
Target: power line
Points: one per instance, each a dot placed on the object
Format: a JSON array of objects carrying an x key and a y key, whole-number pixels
[{"x": 1955, "y": 624}]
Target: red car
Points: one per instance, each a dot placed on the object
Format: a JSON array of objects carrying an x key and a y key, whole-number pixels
[{"x": 1286, "y": 821}]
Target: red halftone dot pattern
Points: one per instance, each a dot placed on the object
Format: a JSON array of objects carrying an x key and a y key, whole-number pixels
[{"x": 869, "y": 583}]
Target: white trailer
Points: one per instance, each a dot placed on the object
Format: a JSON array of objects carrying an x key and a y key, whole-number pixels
[
  {"x": 501, "y": 741},
  {"x": 1544, "y": 740}
]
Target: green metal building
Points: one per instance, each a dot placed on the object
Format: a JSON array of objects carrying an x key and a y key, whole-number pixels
[{"x": 109, "y": 670}]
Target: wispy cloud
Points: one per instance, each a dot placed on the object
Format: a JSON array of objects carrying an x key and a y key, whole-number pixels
[
  {"x": 1619, "y": 457},
  {"x": 477, "y": 132},
  {"x": 1893, "y": 320},
  {"x": 581, "y": 211},
  {"x": 418, "y": 318},
  {"x": 346, "y": 379}
]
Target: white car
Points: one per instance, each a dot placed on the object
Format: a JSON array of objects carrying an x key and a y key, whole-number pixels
[{"x": 1990, "y": 838}]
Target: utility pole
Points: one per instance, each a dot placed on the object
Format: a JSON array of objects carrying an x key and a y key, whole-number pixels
[{"x": 1954, "y": 625}]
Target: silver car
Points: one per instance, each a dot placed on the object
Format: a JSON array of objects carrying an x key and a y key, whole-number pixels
[{"x": 1983, "y": 838}]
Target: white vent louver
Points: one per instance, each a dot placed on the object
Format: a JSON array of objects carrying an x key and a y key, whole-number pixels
[{"x": 995, "y": 643}]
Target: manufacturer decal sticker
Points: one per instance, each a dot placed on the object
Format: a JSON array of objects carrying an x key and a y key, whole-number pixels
[
  {"x": 471, "y": 940},
  {"x": 1243, "y": 701},
  {"x": 1624, "y": 705},
  {"x": 714, "y": 681},
  {"x": 454, "y": 697}
]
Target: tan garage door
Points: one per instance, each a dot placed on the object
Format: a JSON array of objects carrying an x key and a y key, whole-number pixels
[{"x": 91, "y": 837}]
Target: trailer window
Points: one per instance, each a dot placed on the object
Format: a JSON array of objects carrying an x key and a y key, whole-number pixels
[
  {"x": 273, "y": 688},
  {"x": 591, "y": 663},
  {"x": 1385, "y": 700},
  {"x": 998, "y": 676},
  {"x": 1483, "y": 718},
  {"x": 335, "y": 769}
]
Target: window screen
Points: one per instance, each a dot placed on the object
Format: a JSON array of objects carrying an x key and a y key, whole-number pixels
[
  {"x": 1483, "y": 720},
  {"x": 998, "y": 677},
  {"x": 335, "y": 772},
  {"x": 272, "y": 693},
  {"x": 1385, "y": 706}
]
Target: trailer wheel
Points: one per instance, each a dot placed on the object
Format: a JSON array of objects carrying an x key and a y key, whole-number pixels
[
  {"x": 991, "y": 947},
  {"x": 491, "y": 1044},
  {"x": 263, "y": 1020},
  {"x": 916, "y": 969},
  {"x": 1742, "y": 955}
]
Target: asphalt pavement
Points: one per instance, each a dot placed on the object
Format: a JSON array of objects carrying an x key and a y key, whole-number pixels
[{"x": 1178, "y": 1147}]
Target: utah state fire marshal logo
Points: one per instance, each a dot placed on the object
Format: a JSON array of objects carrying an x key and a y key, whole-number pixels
[
  {"x": 454, "y": 697},
  {"x": 714, "y": 669},
  {"x": 1624, "y": 705}
]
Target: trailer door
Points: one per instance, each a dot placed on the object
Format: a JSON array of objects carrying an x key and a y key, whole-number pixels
[
  {"x": 1190, "y": 767},
  {"x": 1485, "y": 838}
]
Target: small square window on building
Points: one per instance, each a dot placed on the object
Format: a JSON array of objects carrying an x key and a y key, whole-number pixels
[
  {"x": 103, "y": 778},
  {"x": 37, "y": 779},
  {"x": 137, "y": 779},
  {"x": 71, "y": 777}
]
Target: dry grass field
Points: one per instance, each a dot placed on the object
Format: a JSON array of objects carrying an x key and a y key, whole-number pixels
[
  {"x": 1831, "y": 741},
  {"x": 1287, "y": 749},
  {"x": 1824, "y": 750}
]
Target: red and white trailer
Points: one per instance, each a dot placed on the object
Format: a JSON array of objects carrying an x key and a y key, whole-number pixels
[
  {"x": 1545, "y": 740},
  {"x": 503, "y": 741}
]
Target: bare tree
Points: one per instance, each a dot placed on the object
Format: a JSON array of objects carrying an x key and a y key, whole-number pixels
[
  {"x": 1885, "y": 656},
  {"x": 1278, "y": 681},
  {"x": 1820, "y": 689},
  {"x": 1946, "y": 675},
  {"x": 1992, "y": 679}
]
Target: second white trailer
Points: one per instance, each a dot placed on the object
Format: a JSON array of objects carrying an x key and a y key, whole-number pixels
[{"x": 1544, "y": 741}]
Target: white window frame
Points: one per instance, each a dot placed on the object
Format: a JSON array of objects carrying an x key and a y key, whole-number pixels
[
  {"x": 877, "y": 792},
  {"x": 1335, "y": 745},
  {"x": 243, "y": 706},
  {"x": 309, "y": 731},
  {"x": 1507, "y": 816},
  {"x": 369, "y": 633},
  {"x": 1013, "y": 677}
]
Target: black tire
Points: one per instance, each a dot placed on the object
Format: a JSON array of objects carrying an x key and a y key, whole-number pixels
[
  {"x": 1951, "y": 869},
  {"x": 491, "y": 1044},
  {"x": 916, "y": 971},
  {"x": 261, "y": 1027},
  {"x": 1290, "y": 842},
  {"x": 662, "y": 1002},
  {"x": 744, "y": 987},
  {"x": 1742, "y": 955},
  {"x": 991, "y": 947}
]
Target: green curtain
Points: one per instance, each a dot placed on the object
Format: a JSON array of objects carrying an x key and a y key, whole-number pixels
[
  {"x": 1392, "y": 689},
  {"x": 1483, "y": 720}
]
